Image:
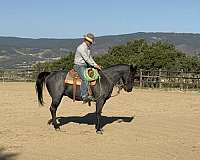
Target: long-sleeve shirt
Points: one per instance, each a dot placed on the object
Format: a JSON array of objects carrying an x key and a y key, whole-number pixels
[{"x": 83, "y": 56}]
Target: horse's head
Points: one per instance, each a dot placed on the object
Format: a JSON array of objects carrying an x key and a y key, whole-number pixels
[{"x": 128, "y": 78}]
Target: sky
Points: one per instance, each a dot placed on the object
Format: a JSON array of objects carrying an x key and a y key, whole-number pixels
[{"x": 74, "y": 18}]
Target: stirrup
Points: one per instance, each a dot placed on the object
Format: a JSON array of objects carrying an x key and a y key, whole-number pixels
[
  {"x": 91, "y": 98},
  {"x": 88, "y": 99}
]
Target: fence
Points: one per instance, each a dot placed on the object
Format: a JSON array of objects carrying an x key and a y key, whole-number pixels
[
  {"x": 17, "y": 75},
  {"x": 169, "y": 79},
  {"x": 146, "y": 78}
]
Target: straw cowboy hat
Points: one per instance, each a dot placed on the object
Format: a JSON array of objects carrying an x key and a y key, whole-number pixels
[{"x": 89, "y": 37}]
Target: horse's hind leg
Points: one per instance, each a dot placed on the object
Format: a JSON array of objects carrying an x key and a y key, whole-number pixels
[{"x": 53, "y": 108}]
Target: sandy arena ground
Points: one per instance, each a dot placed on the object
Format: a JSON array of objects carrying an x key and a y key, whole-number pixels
[{"x": 142, "y": 125}]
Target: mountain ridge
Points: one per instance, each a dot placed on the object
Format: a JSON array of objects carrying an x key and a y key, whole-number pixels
[{"x": 18, "y": 52}]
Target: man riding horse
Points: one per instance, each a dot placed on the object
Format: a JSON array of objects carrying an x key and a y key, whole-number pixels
[
  {"x": 82, "y": 60},
  {"x": 102, "y": 90}
]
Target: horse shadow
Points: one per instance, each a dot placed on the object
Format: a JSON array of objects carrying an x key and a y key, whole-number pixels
[
  {"x": 90, "y": 119},
  {"x": 7, "y": 156}
]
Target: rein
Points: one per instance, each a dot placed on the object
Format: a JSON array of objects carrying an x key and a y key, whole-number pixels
[
  {"x": 119, "y": 90},
  {"x": 119, "y": 87}
]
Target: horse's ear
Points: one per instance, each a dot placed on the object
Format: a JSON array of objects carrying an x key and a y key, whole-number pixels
[{"x": 133, "y": 68}]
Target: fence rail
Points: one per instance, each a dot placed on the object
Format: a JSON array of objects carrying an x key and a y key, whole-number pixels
[
  {"x": 169, "y": 79},
  {"x": 146, "y": 78}
]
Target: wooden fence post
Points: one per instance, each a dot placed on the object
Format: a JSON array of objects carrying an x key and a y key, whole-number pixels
[
  {"x": 3, "y": 78},
  {"x": 140, "y": 78},
  {"x": 181, "y": 80},
  {"x": 160, "y": 85}
]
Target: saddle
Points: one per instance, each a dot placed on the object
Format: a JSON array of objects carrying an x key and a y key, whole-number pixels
[{"x": 74, "y": 79}]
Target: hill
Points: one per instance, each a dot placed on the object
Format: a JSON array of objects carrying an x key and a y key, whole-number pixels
[{"x": 23, "y": 52}]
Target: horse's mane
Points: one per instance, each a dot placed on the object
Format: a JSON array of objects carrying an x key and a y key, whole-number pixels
[
  {"x": 115, "y": 66},
  {"x": 105, "y": 72}
]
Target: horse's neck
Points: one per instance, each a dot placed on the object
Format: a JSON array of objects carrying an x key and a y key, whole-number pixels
[{"x": 113, "y": 76}]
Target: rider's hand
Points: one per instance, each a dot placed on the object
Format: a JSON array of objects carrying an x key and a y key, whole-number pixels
[{"x": 98, "y": 67}]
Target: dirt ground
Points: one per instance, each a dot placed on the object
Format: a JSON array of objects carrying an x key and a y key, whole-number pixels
[{"x": 142, "y": 125}]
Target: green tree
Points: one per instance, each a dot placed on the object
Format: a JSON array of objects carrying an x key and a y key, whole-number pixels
[{"x": 159, "y": 55}]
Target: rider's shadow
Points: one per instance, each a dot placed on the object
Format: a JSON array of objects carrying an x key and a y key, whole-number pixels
[{"x": 90, "y": 119}]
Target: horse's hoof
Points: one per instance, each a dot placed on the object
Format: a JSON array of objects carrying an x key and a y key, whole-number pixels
[
  {"x": 99, "y": 131},
  {"x": 57, "y": 128}
]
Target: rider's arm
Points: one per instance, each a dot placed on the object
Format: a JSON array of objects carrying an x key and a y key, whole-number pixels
[{"x": 87, "y": 57}]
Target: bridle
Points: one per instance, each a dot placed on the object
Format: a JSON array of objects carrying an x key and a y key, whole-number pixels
[{"x": 120, "y": 87}]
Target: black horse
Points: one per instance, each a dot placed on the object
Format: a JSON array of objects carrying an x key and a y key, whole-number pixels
[{"x": 102, "y": 90}]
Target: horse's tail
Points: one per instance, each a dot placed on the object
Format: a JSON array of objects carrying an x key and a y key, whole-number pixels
[{"x": 39, "y": 86}]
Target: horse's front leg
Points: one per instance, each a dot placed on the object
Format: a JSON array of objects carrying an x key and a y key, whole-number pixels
[{"x": 99, "y": 107}]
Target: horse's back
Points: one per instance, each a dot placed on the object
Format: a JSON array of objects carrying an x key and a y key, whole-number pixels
[
  {"x": 55, "y": 82},
  {"x": 57, "y": 75}
]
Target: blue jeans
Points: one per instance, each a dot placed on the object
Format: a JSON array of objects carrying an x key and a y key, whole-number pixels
[{"x": 84, "y": 83}]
